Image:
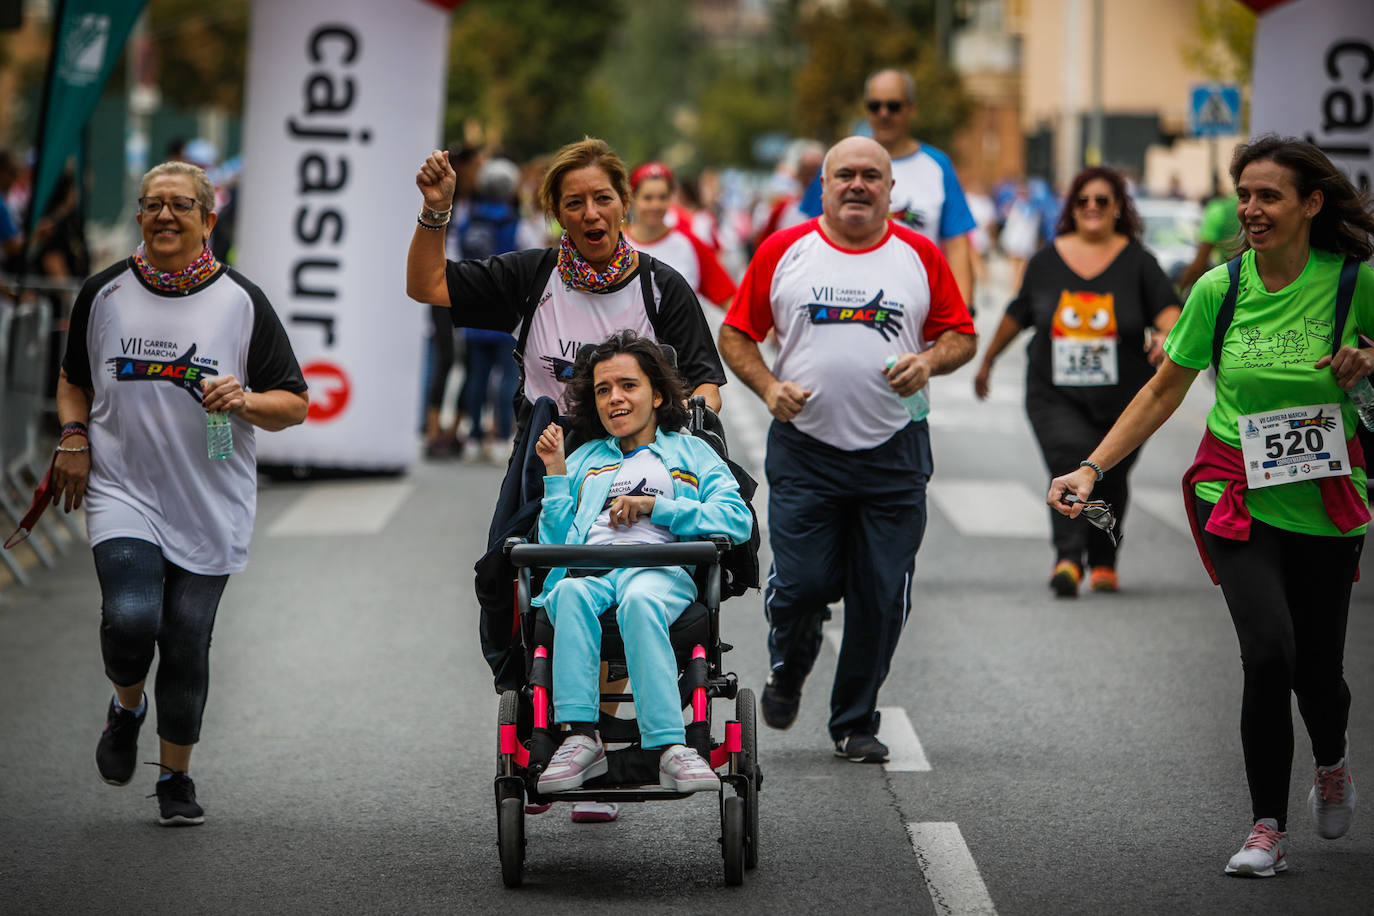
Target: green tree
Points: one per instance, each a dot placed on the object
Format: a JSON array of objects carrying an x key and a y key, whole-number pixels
[
  {"x": 525, "y": 70},
  {"x": 201, "y": 51},
  {"x": 1224, "y": 46},
  {"x": 845, "y": 42}
]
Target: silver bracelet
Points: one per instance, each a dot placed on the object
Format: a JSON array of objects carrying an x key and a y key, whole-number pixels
[
  {"x": 432, "y": 213},
  {"x": 74, "y": 451},
  {"x": 435, "y": 227},
  {"x": 1092, "y": 464}
]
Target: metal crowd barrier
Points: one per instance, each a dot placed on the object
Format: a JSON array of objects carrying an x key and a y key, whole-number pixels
[{"x": 33, "y": 333}]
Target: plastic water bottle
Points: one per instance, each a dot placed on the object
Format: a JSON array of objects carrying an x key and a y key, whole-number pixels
[
  {"x": 219, "y": 435},
  {"x": 917, "y": 406},
  {"x": 1362, "y": 396}
]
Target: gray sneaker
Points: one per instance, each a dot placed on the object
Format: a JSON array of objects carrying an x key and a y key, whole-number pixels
[{"x": 1332, "y": 799}]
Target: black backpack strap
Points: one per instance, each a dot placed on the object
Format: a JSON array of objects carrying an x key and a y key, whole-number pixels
[
  {"x": 1227, "y": 311},
  {"x": 1345, "y": 294},
  {"x": 541, "y": 280},
  {"x": 646, "y": 288}
]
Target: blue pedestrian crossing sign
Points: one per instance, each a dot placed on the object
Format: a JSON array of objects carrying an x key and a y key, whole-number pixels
[{"x": 1214, "y": 109}]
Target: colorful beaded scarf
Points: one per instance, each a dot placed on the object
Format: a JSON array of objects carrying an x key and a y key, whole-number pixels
[
  {"x": 579, "y": 274},
  {"x": 179, "y": 281}
]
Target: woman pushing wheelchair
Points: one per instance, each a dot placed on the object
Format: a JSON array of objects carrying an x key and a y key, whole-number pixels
[{"x": 635, "y": 481}]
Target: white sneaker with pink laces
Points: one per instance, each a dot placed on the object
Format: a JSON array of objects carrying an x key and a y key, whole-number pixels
[
  {"x": 577, "y": 760},
  {"x": 681, "y": 768},
  {"x": 1332, "y": 799},
  {"x": 1262, "y": 856}
]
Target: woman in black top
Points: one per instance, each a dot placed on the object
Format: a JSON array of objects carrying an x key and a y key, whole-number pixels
[
  {"x": 555, "y": 300},
  {"x": 1089, "y": 295}
]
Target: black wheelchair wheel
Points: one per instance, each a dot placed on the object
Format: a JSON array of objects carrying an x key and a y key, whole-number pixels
[
  {"x": 510, "y": 839},
  {"x": 732, "y": 839},
  {"x": 745, "y": 714}
]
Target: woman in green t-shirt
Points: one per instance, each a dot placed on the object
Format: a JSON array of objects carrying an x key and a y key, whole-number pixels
[{"x": 1277, "y": 493}]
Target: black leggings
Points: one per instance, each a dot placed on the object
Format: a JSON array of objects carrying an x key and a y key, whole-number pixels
[
  {"x": 1066, "y": 436},
  {"x": 1289, "y": 597},
  {"x": 150, "y": 603}
]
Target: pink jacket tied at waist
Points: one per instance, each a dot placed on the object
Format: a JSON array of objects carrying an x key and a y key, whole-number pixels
[{"x": 1216, "y": 460}]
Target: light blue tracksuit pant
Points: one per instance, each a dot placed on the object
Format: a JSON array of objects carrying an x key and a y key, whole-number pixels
[{"x": 648, "y": 601}]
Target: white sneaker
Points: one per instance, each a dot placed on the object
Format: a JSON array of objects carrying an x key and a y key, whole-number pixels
[
  {"x": 1332, "y": 799},
  {"x": 577, "y": 760},
  {"x": 1262, "y": 856},
  {"x": 681, "y": 768}
]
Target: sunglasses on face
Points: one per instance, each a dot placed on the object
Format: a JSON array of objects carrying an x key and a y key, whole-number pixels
[
  {"x": 892, "y": 105},
  {"x": 152, "y": 206},
  {"x": 1099, "y": 514},
  {"x": 1102, "y": 200}
]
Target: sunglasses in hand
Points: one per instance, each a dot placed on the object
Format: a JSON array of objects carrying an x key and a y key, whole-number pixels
[{"x": 1099, "y": 514}]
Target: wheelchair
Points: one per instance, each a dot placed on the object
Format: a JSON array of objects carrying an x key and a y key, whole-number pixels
[{"x": 526, "y": 738}]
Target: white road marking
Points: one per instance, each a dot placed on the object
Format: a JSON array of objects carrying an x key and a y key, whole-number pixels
[
  {"x": 991, "y": 508},
  {"x": 1165, "y": 504},
  {"x": 951, "y": 875},
  {"x": 341, "y": 508},
  {"x": 905, "y": 754}
]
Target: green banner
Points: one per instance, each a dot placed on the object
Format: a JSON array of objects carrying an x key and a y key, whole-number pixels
[{"x": 88, "y": 36}]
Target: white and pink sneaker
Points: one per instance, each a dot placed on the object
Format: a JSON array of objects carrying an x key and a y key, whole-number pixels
[
  {"x": 681, "y": 768},
  {"x": 1262, "y": 856},
  {"x": 1332, "y": 799},
  {"x": 577, "y": 760}
]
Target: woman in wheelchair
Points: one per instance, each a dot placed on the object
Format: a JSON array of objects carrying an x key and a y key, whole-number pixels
[{"x": 633, "y": 482}]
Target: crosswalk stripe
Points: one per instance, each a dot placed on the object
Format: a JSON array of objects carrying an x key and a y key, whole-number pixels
[
  {"x": 991, "y": 508},
  {"x": 905, "y": 754},
  {"x": 341, "y": 508},
  {"x": 951, "y": 876}
]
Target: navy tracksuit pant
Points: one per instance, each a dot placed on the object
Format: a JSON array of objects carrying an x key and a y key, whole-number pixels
[{"x": 845, "y": 525}]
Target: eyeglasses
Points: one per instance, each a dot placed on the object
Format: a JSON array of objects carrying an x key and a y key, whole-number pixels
[
  {"x": 1102, "y": 201},
  {"x": 152, "y": 206},
  {"x": 1099, "y": 513},
  {"x": 892, "y": 105}
]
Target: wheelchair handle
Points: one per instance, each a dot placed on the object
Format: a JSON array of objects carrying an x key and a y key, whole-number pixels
[{"x": 617, "y": 556}]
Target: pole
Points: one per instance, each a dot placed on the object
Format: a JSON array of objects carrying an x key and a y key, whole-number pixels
[
  {"x": 1093, "y": 154},
  {"x": 31, "y": 218}
]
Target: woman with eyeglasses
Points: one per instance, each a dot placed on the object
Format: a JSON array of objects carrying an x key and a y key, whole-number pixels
[
  {"x": 161, "y": 346},
  {"x": 1276, "y": 494},
  {"x": 1090, "y": 296},
  {"x": 651, "y": 195}
]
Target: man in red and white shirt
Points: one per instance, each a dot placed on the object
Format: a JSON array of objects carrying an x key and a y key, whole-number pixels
[{"x": 847, "y": 464}]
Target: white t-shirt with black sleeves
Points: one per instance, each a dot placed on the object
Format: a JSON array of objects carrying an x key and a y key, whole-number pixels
[
  {"x": 143, "y": 353},
  {"x": 838, "y": 314},
  {"x": 494, "y": 293}
]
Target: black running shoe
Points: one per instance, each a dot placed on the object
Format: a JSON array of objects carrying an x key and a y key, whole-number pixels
[
  {"x": 176, "y": 802},
  {"x": 779, "y": 702},
  {"x": 116, "y": 754},
  {"x": 861, "y": 748}
]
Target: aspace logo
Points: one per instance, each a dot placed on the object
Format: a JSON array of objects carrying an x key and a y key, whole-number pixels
[
  {"x": 185, "y": 371},
  {"x": 870, "y": 314},
  {"x": 560, "y": 369}
]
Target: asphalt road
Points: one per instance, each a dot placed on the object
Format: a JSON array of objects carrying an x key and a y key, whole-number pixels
[{"x": 1063, "y": 757}]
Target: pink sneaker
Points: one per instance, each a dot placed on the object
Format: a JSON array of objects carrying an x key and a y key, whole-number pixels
[
  {"x": 595, "y": 812},
  {"x": 681, "y": 768},
  {"x": 577, "y": 760}
]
